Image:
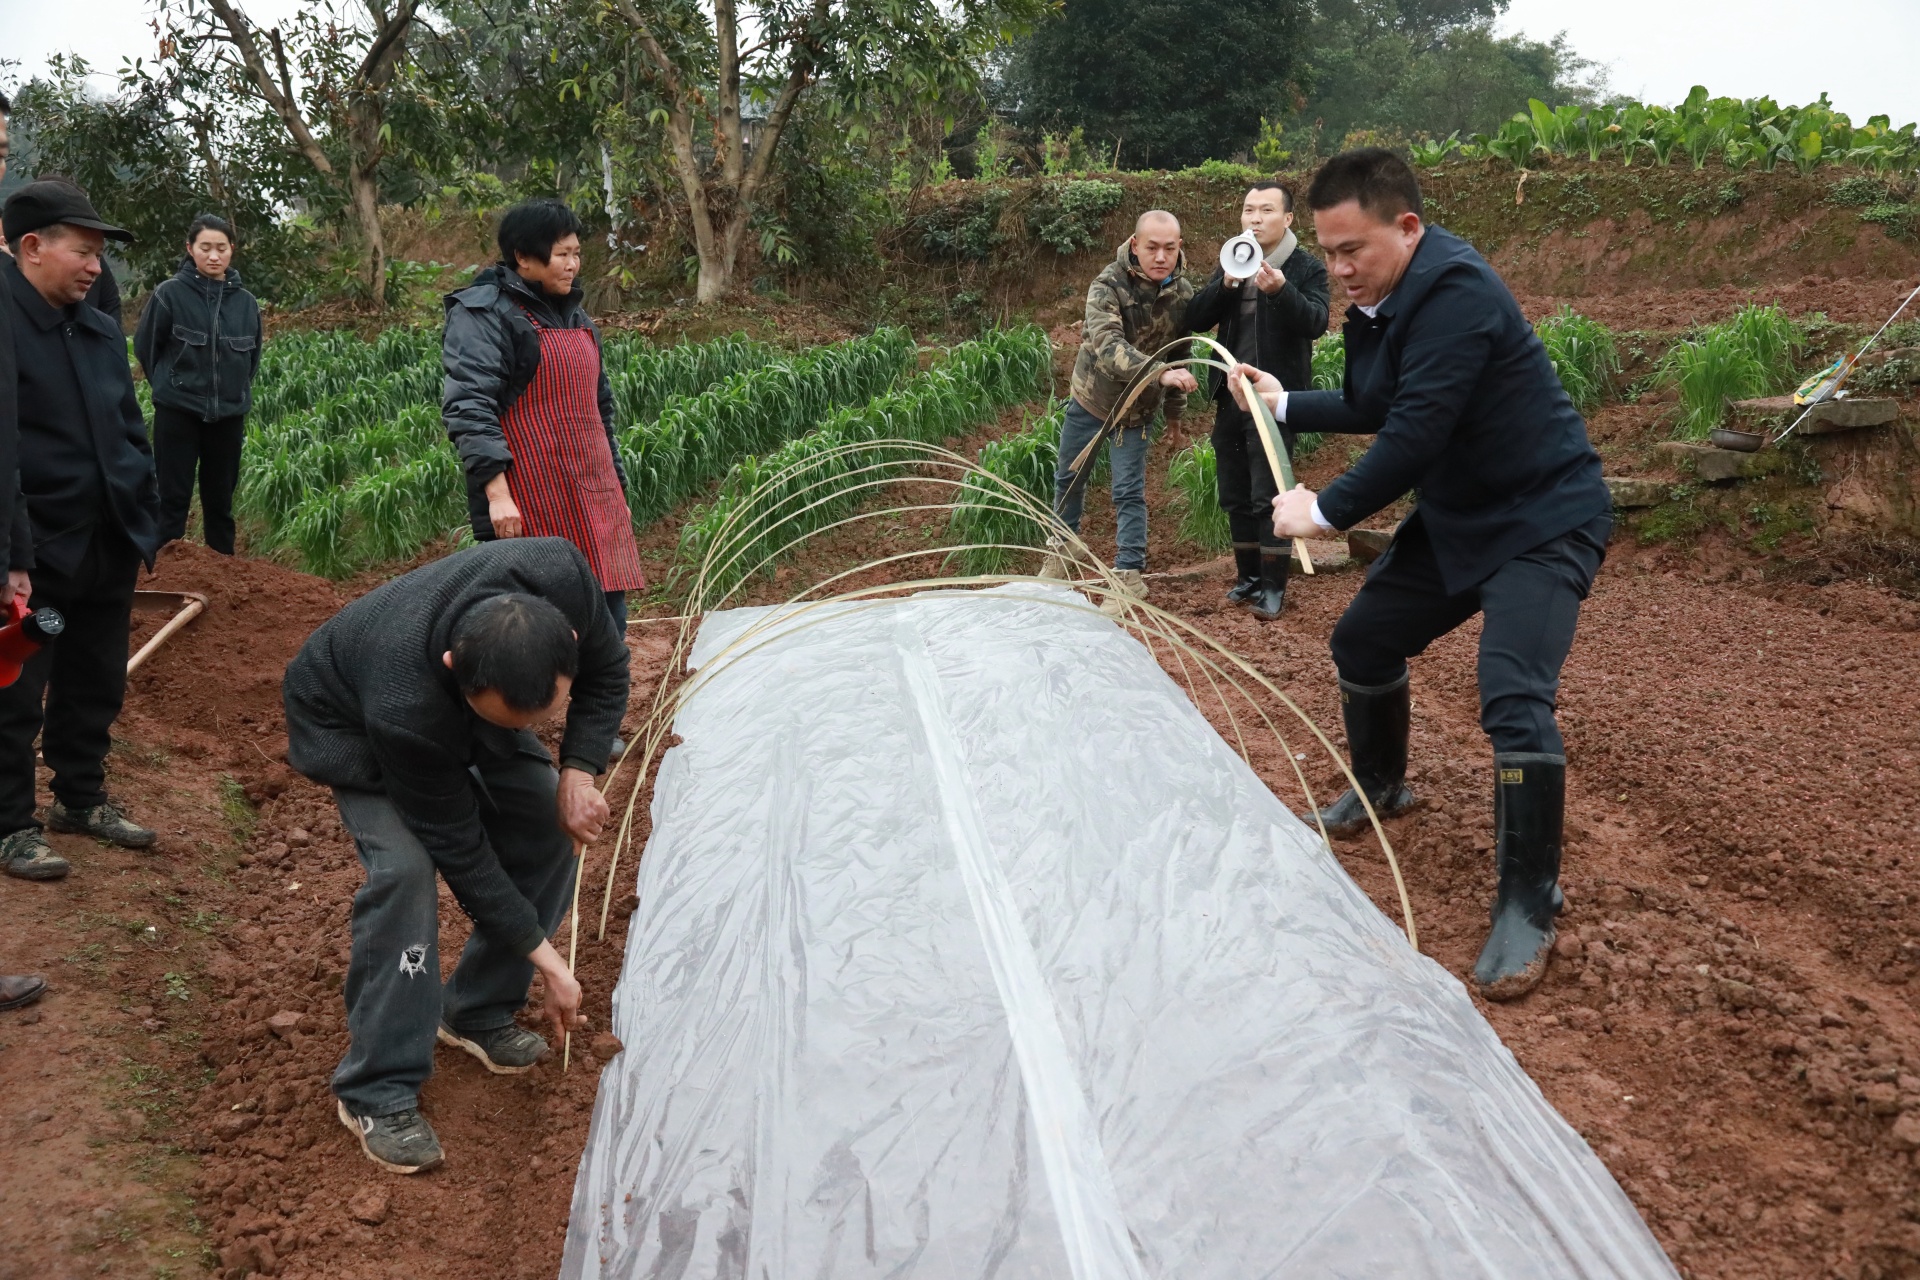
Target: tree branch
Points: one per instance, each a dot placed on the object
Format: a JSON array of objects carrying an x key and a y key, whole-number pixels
[
  {"x": 798, "y": 77},
  {"x": 280, "y": 96}
]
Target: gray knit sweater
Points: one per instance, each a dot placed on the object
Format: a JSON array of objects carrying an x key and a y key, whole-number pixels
[{"x": 370, "y": 706}]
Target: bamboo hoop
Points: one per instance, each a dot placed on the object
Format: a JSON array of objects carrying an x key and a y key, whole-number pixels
[
  {"x": 573, "y": 943},
  {"x": 771, "y": 506}
]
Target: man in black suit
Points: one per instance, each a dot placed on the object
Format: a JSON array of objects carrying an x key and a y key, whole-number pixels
[
  {"x": 1512, "y": 523},
  {"x": 90, "y": 520}
]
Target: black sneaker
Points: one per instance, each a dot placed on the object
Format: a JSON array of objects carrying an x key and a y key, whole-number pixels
[
  {"x": 505, "y": 1051},
  {"x": 27, "y": 855},
  {"x": 103, "y": 821},
  {"x": 400, "y": 1143}
]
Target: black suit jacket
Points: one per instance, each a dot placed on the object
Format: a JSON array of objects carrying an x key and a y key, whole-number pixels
[
  {"x": 84, "y": 456},
  {"x": 1289, "y": 321},
  {"x": 1467, "y": 410},
  {"x": 371, "y": 707}
]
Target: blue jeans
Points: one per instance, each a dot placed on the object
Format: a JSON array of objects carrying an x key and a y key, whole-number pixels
[{"x": 1128, "y": 452}]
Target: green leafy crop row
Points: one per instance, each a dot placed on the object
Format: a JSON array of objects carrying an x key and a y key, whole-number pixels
[
  {"x": 346, "y": 463},
  {"x": 767, "y": 504},
  {"x": 1755, "y": 133},
  {"x": 986, "y": 521}
]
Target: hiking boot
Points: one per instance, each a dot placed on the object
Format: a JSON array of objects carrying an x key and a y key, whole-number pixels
[
  {"x": 1377, "y": 722},
  {"x": 28, "y": 856},
  {"x": 1269, "y": 595},
  {"x": 400, "y": 1143},
  {"x": 1131, "y": 584},
  {"x": 17, "y": 990},
  {"x": 1055, "y": 566},
  {"x": 1246, "y": 569},
  {"x": 1529, "y": 804},
  {"x": 505, "y": 1051},
  {"x": 103, "y": 821}
]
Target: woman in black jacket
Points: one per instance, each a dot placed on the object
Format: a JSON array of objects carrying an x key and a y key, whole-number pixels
[
  {"x": 527, "y": 403},
  {"x": 199, "y": 342}
]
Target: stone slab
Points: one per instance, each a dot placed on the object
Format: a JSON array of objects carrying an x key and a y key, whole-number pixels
[
  {"x": 1718, "y": 466},
  {"x": 1850, "y": 414},
  {"x": 1630, "y": 492},
  {"x": 1367, "y": 545}
]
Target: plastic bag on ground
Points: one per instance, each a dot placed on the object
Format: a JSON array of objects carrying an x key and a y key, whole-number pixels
[{"x": 967, "y": 948}]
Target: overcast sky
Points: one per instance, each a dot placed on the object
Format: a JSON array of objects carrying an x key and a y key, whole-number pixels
[{"x": 1861, "y": 52}]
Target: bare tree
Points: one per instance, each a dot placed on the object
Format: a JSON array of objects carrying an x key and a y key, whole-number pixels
[{"x": 361, "y": 91}]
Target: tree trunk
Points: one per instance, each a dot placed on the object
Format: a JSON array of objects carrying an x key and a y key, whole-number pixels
[{"x": 373, "y": 245}]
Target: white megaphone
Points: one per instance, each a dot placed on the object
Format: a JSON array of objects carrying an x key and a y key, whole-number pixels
[{"x": 1241, "y": 256}]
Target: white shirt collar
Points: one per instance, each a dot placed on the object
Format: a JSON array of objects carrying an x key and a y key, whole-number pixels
[{"x": 1369, "y": 312}]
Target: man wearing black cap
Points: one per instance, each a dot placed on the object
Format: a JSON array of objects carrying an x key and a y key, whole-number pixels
[
  {"x": 17, "y": 990},
  {"x": 91, "y": 518}
]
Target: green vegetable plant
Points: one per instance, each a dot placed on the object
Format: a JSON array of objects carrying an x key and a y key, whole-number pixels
[
  {"x": 1583, "y": 353},
  {"x": 984, "y": 521},
  {"x": 1192, "y": 473}
]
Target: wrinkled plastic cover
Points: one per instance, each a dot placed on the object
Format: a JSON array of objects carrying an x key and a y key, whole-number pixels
[{"x": 967, "y": 948}]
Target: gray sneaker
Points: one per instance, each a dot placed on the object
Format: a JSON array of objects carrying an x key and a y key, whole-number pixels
[
  {"x": 27, "y": 855},
  {"x": 103, "y": 821},
  {"x": 505, "y": 1051},
  {"x": 400, "y": 1143}
]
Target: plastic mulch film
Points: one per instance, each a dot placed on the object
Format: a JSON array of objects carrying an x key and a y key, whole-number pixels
[{"x": 967, "y": 948}]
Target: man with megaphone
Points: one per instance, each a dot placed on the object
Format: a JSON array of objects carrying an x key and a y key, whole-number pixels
[{"x": 1269, "y": 298}]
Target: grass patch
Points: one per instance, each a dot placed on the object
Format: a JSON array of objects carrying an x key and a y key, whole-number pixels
[
  {"x": 1584, "y": 355},
  {"x": 1193, "y": 472},
  {"x": 236, "y": 810},
  {"x": 1753, "y": 354}
]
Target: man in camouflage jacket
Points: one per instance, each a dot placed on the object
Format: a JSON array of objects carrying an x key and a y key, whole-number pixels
[{"x": 1136, "y": 306}]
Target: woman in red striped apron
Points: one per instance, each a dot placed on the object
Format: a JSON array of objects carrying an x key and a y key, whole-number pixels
[{"x": 527, "y": 403}]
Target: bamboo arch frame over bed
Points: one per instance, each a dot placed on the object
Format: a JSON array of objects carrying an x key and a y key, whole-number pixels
[{"x": 1205, "y": 667}]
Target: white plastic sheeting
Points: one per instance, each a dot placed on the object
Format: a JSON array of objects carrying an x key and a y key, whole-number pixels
[{"x": 967, "y": 948}]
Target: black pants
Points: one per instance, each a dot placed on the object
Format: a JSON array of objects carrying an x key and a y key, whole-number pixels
[
  {"x": 1531, "y": 604},
  {"x": 617, "y": 608},
  {"x": 82, "y": 677},
  {"x": 182, "y": 442},
  {"x": 1242, "y": 478},
  {"x": 395, "y": 999}
]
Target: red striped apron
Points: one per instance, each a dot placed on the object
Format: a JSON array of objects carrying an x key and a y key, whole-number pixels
[{"x": 562, "y": 477}]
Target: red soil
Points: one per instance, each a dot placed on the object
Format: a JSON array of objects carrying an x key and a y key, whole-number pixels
[{"x": 1733, "y": 1022}]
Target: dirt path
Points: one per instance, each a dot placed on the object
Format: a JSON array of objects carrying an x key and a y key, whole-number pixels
[{"x": 1735, "y": 1029}]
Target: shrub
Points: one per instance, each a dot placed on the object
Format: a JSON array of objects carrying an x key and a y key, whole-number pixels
[
  {"x": 967, "y": 229},
  {"x": 1066, "y": 217},
  {"x": 1583, "y": 353}
]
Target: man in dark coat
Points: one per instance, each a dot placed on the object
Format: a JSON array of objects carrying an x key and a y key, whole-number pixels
[
  {"x": 1512, "y": 523},
  {"x": 415, "y": 703},
  {"x": 17, "y": 990},
  {"x": 1268, "y": 320},
  {"x": 90, "y": 521}
]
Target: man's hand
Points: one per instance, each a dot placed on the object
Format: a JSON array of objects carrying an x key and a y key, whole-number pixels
[
  {"x": 583, "y": 810},
  {"x": 1265, "y": 385},
  {"x": 1180, "y": 380},
  {"x": 1293, "y": 514},
  {"x": 563, "y": 991},
  {"x": 19, "y": 583},
  {"x": 502, "y": 510},
  {"x": 1268, "y": 281}
]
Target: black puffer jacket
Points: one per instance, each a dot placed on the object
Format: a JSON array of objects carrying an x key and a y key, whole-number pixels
[
  {"x": 199, "y": 341},
  {"x": 1289, "y": 321},
  {"x": 370, "y": 707},
  {"x": 489, "y": 353}
]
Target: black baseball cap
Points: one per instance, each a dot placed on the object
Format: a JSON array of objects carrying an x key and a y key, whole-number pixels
[{"x": 51, "y": 200}]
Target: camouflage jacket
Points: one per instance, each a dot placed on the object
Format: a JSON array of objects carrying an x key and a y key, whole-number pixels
[{"x": 1129, "y": 318}]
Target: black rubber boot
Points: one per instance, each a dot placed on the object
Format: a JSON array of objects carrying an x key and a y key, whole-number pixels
[
  {"x": 1270, "y": 596},
  {"x": 1528, "y": 807},
  {"x": 1246, "y": 567},
  {"x": 1377, "y": 720}
]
